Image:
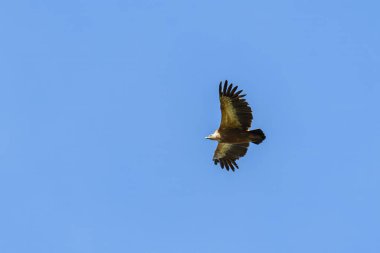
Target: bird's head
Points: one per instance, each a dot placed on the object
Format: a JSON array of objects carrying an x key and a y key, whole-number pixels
[{"x": 215, "y": 136}]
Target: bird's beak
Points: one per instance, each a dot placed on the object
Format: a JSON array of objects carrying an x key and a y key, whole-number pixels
[{"x": 207, "y": 137}]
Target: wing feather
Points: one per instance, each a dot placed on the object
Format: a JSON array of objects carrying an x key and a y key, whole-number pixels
[
  {"x": 226, "y": 154},
  {"x": 236, "y": 112}
]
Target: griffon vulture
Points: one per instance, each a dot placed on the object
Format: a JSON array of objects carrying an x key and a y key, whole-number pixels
[{"x": 233, "y": 135}]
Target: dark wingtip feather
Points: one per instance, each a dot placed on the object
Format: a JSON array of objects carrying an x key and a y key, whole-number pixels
[
  {"x": 233, "y": 91},
  {"x": 227, "y": 163},
  {"x": 229, "y": 90},
  {"x": 225, "y": 87},
  {"x": 227, "y": 166},
  {"x": 237, "y": 167},
  {"x": 231, "y": 165},
  {"x": 238, "y": 93}
]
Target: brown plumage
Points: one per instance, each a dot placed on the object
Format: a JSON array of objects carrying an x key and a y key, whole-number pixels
[{"x": 233, "y": 135}]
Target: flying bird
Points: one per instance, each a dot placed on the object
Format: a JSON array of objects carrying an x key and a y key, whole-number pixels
[{"x": 233, "y": 135}]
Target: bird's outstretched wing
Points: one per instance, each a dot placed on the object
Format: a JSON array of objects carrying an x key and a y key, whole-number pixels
[
  {"x": 226, "y": 154},
  {"x": 236, "y": 112}
]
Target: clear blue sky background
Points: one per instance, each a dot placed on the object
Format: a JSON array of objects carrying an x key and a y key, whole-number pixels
[{"x": 105, "y": 104}]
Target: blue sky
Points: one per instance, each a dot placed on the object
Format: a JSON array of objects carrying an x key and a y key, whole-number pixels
[{"x": 105, "y": 106}]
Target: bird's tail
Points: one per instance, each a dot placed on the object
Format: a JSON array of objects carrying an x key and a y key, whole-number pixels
[{"x": 257, "y": 136}]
